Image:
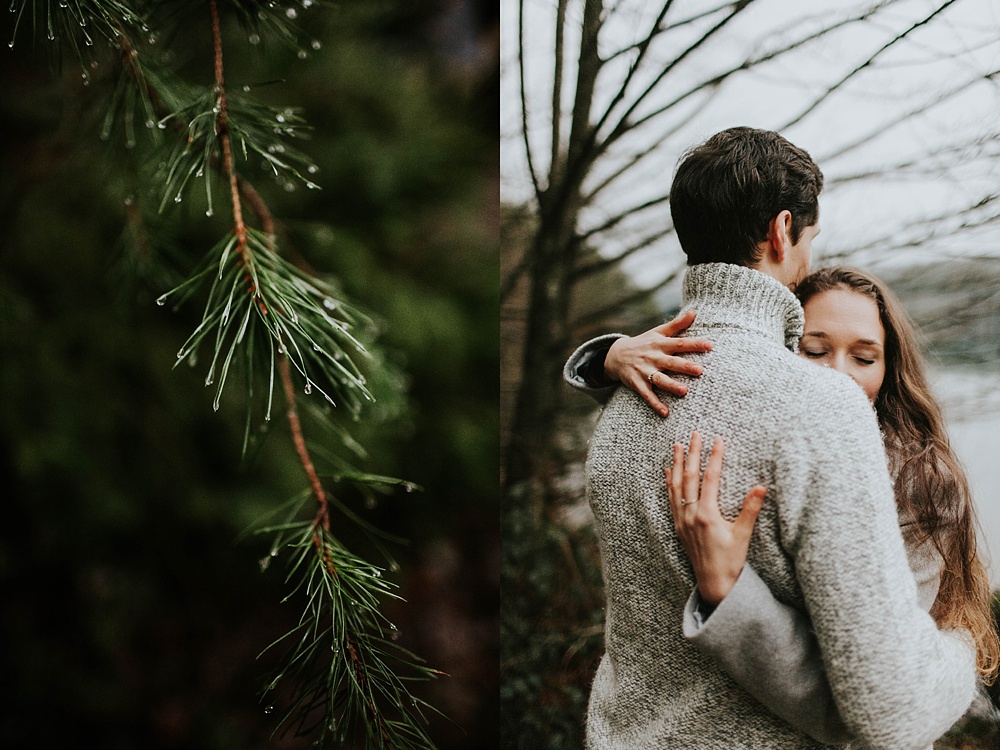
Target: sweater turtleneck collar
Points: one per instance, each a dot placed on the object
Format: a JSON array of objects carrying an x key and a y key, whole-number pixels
[{"x": 726, "y": 295}]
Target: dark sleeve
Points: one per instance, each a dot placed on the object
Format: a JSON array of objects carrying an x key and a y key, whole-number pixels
[{"x": 584, "y": 370}]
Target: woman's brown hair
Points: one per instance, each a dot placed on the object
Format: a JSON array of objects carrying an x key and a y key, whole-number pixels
[{"x": 930, "y": 484}]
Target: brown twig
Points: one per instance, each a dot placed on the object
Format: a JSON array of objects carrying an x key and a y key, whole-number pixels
[
  {"x": 222, "y": 129},
  {"x": 260, "y": 208},
  {"x": 236, "y": 187},
  {"x": 361, "y": 675},
  {"x": 322, "y": 515}
]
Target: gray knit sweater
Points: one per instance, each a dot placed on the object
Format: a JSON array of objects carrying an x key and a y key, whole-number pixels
[{"x": 827, "y": 543}]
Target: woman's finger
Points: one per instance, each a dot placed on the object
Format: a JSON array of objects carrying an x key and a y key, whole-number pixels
[
  {"x": 642, "y": 387},
  {"x": 667, "y": 383},
  {"x": 754, "y": 501},
  {"x": 677, "y": 325},
  {"x": 674, "y": 474},
  {"x": 679, "y": 365},
  {"x": 709, "y": 496},
  {"x": 692, "y": 471},
  {"x": 685, "y": 345}
]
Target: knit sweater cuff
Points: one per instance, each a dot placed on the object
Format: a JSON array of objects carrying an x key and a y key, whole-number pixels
[{"x": 575, "y": 369}]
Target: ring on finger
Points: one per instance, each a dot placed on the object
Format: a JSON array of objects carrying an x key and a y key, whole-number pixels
[
  {"x": 688, "y": 502},
  {"x": 651, "y": 375}
]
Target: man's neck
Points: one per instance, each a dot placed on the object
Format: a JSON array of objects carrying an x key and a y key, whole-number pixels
[{"x": 777, "y": 271}]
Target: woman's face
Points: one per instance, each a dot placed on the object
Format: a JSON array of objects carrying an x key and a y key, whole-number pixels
[{"x": 843, "y": 331}]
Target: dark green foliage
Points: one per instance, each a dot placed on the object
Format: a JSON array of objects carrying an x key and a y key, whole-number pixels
[
  {"x": 337, "y": 699},
  {"x": 76, "y": 24},
  {"x": 551, "y": 624},
  {"x": 282, "y": 309},
  {"x": 259, "y": 304},
  {"x": 256, "y": 129}
]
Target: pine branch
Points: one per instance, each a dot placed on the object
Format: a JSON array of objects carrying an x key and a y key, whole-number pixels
[
  {"x": 222, "y": 133},
  {"x": 323, "y": 513},
  {"x": 78, "y": 23},
  {"x": 264, "y": 315},
  {"x": 342, "y": 659}
]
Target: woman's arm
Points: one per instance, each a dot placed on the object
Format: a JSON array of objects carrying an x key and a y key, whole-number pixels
[
  {"x": 765, "y": 646},
  {"x": 769, "y": 649},
  {"x": 601, "y": 364},
  {"x": 584, "y": 370}
]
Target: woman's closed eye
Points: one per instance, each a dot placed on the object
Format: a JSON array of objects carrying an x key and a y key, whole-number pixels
[{"x": 813, "y": 353}]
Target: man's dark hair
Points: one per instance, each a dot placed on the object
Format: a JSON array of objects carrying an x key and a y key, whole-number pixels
[{"x": 728, "y": 189}]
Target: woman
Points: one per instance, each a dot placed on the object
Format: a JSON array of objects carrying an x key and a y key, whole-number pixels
[{"x": 855, "y": 325}]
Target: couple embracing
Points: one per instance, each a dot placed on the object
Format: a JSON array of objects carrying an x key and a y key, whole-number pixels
[{"x": 789, "y": 559}]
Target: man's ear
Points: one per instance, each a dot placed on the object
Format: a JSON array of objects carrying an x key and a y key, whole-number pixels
[{"x": 779, "y": 236}]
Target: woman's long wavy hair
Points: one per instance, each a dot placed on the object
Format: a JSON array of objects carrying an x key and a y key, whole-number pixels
[{"x": 930, "y": 484}]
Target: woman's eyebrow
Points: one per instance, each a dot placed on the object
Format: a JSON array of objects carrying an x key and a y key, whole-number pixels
[{"x": 824, "y": 335}]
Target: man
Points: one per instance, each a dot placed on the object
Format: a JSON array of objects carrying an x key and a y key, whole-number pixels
[{"x": 827, "y": 540}]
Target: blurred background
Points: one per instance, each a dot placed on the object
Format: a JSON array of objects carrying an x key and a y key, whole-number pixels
[
  {"x": 132, "y": 610},
  {"x": 896, "y": 100}
]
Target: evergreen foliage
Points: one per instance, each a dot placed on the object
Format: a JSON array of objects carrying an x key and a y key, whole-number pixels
[
  {"x": 552, "y": 624},
  {"x": 343, "y": 679}
]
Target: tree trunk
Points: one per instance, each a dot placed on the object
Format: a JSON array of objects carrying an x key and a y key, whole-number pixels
[{"x": 531, "y": 453}]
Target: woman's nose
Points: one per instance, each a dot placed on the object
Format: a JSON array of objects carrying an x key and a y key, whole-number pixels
[{"x": 839, "y": 363}]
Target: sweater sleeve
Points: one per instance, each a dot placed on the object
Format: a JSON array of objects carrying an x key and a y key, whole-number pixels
[
  {"x": 580, "y": 361},
  {"x": 769, "y": 649},
  {"x": 897, "y": 680}
]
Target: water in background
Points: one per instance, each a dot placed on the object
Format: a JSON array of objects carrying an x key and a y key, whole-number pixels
[{"x": 970, "y": 398}]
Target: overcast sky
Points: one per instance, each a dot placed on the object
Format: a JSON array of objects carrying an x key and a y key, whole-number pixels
[{"x": 955, "y": 50}]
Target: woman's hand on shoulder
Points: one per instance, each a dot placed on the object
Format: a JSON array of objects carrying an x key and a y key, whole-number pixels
[
  {"x": 716, "y": 547},
  {"x": 641, "y": 362}
]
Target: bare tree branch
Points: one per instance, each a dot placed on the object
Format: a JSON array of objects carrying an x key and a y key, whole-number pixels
[
  {"x": 918, "y": 166},
  {"x": 663, "y": 28},
  {"x": 618, "y": 218},
  {"x": 524, "y": 103},
  {"x": 642, "y": 48},
  {"x": 883, "y": 127},
  {"x": 888, "y": 45},
  {"x": 936, "y": 230},
  {"x": 557, "y": 88},
  {"x": 595, "y": 267},
  {"x": 630, "y": 299},
  {"x": 938, "y": 55},
  {"x": 710, "y": 94},
  {"x": 581, "y": 152},
  {"x": 622, "y": 126},
  {"x": 749, "y": 63}
]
